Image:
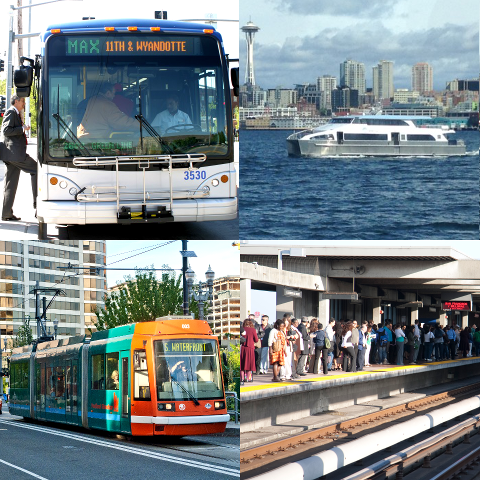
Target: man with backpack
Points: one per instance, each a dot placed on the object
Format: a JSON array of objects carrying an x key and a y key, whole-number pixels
[{"x": 382, "y": 342}]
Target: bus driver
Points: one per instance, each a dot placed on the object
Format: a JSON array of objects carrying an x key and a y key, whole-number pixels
[
  {"x": 172, "y": 116},
  {"x": 102, "y": 116}
]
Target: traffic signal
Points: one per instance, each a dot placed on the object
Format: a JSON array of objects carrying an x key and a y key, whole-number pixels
[{"x": 2, "y": 65}]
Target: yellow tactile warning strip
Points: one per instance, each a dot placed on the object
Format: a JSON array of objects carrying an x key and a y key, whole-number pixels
[{"x": 330, "y": 376}]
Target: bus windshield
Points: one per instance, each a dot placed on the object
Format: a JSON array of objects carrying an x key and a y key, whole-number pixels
[
  {"x": 187, "y": 369},
  {"x": 96, "y": 84}
]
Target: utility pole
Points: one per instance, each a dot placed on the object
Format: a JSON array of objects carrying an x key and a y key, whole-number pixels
[
  {"x": 20, "y": 29},
  {"x": 185, "y": 285}
]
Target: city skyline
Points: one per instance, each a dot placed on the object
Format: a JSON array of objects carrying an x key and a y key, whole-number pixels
[{"x": 322, "y": 35}]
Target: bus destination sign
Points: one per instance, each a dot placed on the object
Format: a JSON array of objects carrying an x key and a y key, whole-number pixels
[
  {"x": 460, "y": 306},
  {"x": 88, "y": 45}
]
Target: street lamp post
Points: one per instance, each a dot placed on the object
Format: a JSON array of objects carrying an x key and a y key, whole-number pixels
[
  {"x": 55, "y": 326},
  {"x": 200, "y": 295}
]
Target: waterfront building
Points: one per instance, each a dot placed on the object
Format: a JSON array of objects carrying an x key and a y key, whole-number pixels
[
  {"x": 413, "y": 109},
  {"x": 462, "y": 85},
  {"x": 325, "y": 85},
  {"x": 344, "y": 98},
  {"x": 281, "y": 97},
  {"x": 383, "y": 80},
  {"x": 250, "y": 29},
  {"x": 422, "y": 77},
  {"x": 225, "y": 316},
  {"x": 403, "y": 95},
  {"x": 352, "y": 75},
  {"x": 23, "y": 263}
]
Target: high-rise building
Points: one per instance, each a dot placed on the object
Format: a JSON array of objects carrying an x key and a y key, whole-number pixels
[
  {"x": 352, "y": 75},
  {"x": 422, "y": 77},
  {"x": 383, "y": 80},
  {"x": 225, "y": 316},
  {"x": 250, "y": 29},
  {"x": 325, "y": 85},
  {"x": 23, "y": 263}
]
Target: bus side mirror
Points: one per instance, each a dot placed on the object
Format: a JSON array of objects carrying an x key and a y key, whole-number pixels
[
  {"x": 234, "y": 76},
  {"x": 23, "y": 79}
]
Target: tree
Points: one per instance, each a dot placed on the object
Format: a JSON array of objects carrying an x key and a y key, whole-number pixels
[
  {"x": 143, "y": 298},
  {"x": 24, "y": 335}
]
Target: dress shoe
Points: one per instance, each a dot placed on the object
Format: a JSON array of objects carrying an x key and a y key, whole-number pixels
[{"x": 13, "y": 218}]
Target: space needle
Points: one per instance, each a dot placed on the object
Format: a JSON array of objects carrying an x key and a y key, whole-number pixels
[{"x": 250, "y": 29}]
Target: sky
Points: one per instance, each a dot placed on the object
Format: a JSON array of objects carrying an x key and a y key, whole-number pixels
[
  {"x": 73, "y": 10},
  {"x": 219, "y": 254},
  {"x": 299, "y": 41},
  {"x": 470, "y": 248}
]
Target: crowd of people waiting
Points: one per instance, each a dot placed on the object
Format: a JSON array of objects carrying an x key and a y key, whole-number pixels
[{"x": 296, "y": 348}]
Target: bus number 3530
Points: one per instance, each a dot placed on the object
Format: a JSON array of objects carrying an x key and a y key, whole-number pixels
[{"x": 198, "y": 175}]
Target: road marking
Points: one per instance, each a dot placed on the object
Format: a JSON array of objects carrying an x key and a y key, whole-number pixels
[
  {"x": 134, "y": 450},
  {"x": 23, "y": 470}
]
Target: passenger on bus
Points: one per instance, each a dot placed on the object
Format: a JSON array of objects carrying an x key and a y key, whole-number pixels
[
  {"x": 171, "y": 117},
  {"x": 102, "y": 116},
  {"x": 121, "y": 101}
]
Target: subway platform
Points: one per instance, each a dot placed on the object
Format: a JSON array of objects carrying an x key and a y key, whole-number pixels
[{"x": 265, "y": 403}]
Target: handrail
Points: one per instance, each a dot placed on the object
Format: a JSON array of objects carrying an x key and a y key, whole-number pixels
[{"x": 236, "y": 410}]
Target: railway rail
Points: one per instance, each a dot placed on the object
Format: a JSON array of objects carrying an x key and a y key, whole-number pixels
[{"x": 283, "y": 451}]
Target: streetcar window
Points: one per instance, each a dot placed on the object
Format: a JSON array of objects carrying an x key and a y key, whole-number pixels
[
  {"x": 20, "y": 375},
  {"x": 98, "y": 372},
  {"x": 112, "y": 371},
  {"x": 60, "y": 382},
  {"x": 142, "y": 387},
  {"x": 187, "y": 368}
]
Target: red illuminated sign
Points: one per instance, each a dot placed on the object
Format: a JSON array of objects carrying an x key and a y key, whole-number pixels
[{"x": 456, "y": 306}]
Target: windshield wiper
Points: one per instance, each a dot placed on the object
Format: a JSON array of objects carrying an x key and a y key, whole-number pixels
[
  {"x": 153, "y": 133},
  {"x": 195, "y": 401},
  {"x": 83, "y": 149}
]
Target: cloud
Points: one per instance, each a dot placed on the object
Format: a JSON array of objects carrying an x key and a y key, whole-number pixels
[
  {"x": 452, "y": 50},
  {"x": 350, "y": 8}
]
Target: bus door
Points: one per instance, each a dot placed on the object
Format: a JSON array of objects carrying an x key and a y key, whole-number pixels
[{"x": 124, "y": 407}]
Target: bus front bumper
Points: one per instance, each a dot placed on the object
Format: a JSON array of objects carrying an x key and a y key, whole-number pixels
[{"x": 81, "y": 213}]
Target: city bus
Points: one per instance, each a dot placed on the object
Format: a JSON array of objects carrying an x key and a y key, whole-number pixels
[
  {"x": 144, "y": 379},
  {"x": 104, "y": 165}
]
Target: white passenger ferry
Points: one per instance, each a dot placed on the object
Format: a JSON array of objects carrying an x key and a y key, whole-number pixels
[{"x": 374, "y": 135}]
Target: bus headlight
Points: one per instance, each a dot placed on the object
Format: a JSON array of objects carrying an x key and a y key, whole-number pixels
[
  {"x": 166, "y": 407},
  {"x": 215, "y": 182},
  {"x": 219, "y": 405},
  {"x": 73, "y": 191}
]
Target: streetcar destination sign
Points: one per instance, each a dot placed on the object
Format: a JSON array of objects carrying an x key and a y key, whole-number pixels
[{"x": 461, "y": 306}]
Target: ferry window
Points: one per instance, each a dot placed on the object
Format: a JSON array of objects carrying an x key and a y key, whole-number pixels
[
  {"x": 98, "y": 372},
  {"x": 421, "y": 138},
  {"x": 112, "y": 371},
  {"x": 140, "y": 367},
  {"x": 365, "y": 136}
]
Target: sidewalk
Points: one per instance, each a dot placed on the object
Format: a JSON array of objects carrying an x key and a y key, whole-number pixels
[{"x": 27, "y": 228}]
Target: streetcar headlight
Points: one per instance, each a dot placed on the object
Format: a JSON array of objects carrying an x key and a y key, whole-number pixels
[
  {"x": 219, "y": 405},
  {"x": 166, "y": 407}
]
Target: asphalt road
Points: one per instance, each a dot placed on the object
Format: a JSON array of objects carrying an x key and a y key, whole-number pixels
[{"x": 51, "y": 452}]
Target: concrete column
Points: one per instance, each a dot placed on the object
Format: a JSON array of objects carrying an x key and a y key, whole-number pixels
[
  {"x": 413, "y": 316},
  {"x": 245, "y": 298},
  {"x": 464, "y": 319},
  {"x": 284, "y": 304},
  {"x": 324, "y": 312},
  {"x": 377, "y": 316}
]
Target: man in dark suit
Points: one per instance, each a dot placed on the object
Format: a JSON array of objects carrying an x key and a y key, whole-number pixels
[{"x": 14, "y": 155}]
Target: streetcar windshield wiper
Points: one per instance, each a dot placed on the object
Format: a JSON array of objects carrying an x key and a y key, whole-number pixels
[{"x": 195, "y": 401}]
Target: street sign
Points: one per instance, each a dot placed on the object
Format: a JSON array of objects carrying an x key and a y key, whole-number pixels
[
  {"x": 291, "y": 292},
  {"x": 339, "y": 296}
]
